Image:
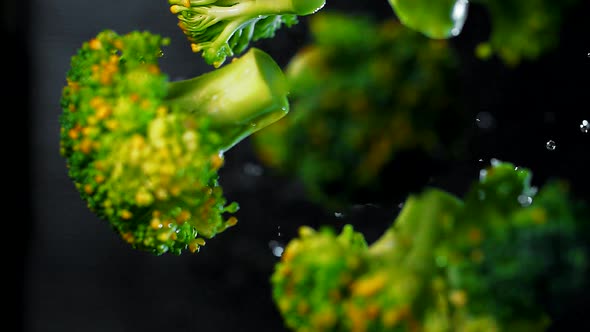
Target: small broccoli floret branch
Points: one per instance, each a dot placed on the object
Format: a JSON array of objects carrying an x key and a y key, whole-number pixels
[
  {"x": 222, "y": 28},
  {"x": 145, "y": 152},
  {"x": 445, "y": 264}
]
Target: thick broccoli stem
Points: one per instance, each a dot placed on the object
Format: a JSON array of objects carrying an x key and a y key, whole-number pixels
[
  {"x": 438, "y": 19},
  {"x": 420, "y": 217},
  {"x": 240, "y": 98},
  {"x": 408, "y": 244}
]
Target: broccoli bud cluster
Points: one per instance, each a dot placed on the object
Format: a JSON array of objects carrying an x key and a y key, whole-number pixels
[
  {"x": 358, "y": 103},
  {"x": 144, "y": 152}
]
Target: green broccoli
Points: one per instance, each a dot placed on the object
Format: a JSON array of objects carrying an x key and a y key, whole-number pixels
[
  {"x": 523, "y": 30},
  {"x": 144, "y": 152},
  {"x": 358, "y": 103},
  {"x": 435, "y": 19},
  {"x": 505, "y": 258},
  {"x": 222, "y": 28},
  {"x": 519, "y": 29}
]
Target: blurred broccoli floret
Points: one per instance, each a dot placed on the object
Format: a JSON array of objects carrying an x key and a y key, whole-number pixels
[
  {"x": 504, "y": 258},
  {"x": 361, "y": 93},
  {"x": 523, "y": 29},
  {"x": 222, "y": 28},
  {"x": 144, "y": 152}
]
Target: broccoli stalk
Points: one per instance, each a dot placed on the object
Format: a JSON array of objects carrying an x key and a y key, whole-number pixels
[
  {"x": 445, "y": 264},
  {"x": 238, "y": 99},
  {"x": 144, "y": 152},
  {"x": 222, "y": 28},
  {"x": 437, "y": 19}
]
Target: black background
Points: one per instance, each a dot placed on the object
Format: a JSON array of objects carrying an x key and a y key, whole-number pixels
[{"x": 72, "y": 273}]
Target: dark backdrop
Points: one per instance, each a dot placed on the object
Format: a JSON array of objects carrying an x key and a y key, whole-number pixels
[{"x": 72, "y": 273}]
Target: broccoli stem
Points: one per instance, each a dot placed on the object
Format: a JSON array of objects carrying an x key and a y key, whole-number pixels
[
  {"x": 250, "y": 8},
  {"x": 240, "y": 98},
  {"x": 419, "y": 221}
]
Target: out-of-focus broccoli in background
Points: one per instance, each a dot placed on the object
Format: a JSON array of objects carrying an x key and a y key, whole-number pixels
[
  {"x": 523, "y": 30},
  {"x": 361, "y": 93},
  {"x": 520, "y": 30},
  {"x": 507, "y": 257},
  {"x": 144, "y": 152},
  {"x": 222, "y": 28}
]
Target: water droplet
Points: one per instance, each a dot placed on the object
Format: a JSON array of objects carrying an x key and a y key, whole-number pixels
[
  {"x": 481, "y": 160},
  {"x": 338, "y": 214},
  {"x": 400, "y": 205},
  {"x": 252, "y": 169},
  {"x": 525, "y": 200},
  {"x": 495, "y": 162},
  {"x": 459, "y": 15},
  {"x": 277, "y": 251},
  {"x": 160, "y": 53},
  {"x": 484, "y": 120},
  {"x": 276, "y": 248},
  {"x": 482, "y": 174},
  {"x": 585, "y": 126},
  {"x": 551, "y": 145}
]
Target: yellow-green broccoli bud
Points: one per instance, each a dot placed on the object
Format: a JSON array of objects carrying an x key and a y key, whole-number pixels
[
  {"x": 144, "y": 152},
  {"x": 494, "y": 261},
  {"x": 222, "y": 28},
  {"x": 326, "y": 260},
  {"x": 358, "y": 103}
]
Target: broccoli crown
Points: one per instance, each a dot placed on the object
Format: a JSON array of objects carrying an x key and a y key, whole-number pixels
[
  {"x": 523, "y": 29},
  {"x": 358, "y": 102},
  {"x": 223, "y": 28},
  {"x": 149, "y": 169},
  {"x": 491, "y": 262}
]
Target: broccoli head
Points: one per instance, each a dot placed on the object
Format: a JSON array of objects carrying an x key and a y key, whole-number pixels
[
  {"x": 358, "y": 103},
  {"x": 507, "y": 257},
  {"x": 222, "y": 28},
  {"x": 145, "y": 152}
]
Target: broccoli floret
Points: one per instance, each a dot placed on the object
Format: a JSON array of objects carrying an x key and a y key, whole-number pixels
[
  {"x": 222, "y": 28},
  {"x": 522, "y": 30},
  {"x": 145, "y": 152},
  {"x": 360, "y": 103},
  {"x": 504, "y": 258}
]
